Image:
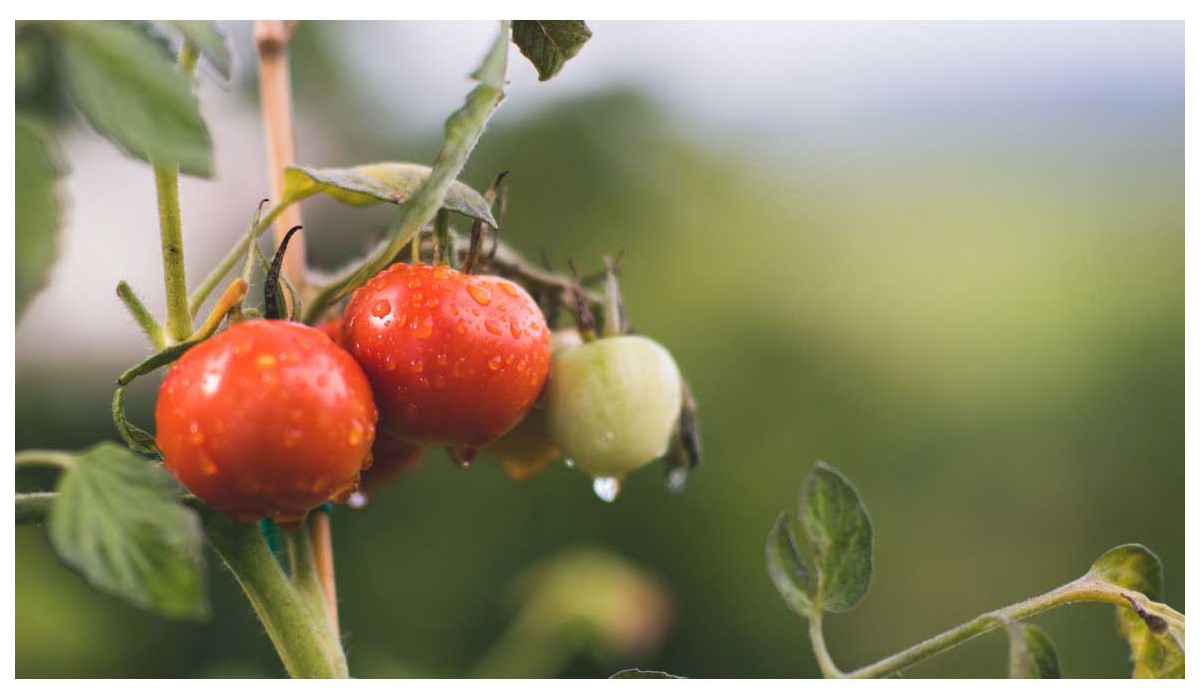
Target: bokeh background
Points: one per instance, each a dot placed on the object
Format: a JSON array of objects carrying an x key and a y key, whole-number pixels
[{"x": 945, "y": 258}]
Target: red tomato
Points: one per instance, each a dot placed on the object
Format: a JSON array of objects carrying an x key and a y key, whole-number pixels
[
  {"x": 268, "y": 419},
  {"x": 454, "y": 359}
]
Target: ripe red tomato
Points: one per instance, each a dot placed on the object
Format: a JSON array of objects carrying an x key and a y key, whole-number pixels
[
  {"x": 454, "y": 359},
  {"x": 267, "y": 419}
]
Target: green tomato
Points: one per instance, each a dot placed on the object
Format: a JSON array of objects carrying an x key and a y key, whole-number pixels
[{"x": 612, "y": 404}]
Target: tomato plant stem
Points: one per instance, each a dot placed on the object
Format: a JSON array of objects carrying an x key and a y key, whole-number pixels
[
  {"x": 142, "y": 315},
  {"x": 322, "y": 552},
  {"x": 166, "y": 185},
  {"x": 305, "y": 642},
  {"x": 1083, "y": 590},
  {"x": 275, "y": 93}
]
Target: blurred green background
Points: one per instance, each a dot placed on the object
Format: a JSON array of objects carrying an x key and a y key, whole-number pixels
[{"x": 968, "y": 297}]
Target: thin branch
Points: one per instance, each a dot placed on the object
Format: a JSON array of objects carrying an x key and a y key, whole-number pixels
[{"x": 275, "y": 93}]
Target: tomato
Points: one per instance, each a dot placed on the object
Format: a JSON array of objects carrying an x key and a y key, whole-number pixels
[
  {"x": 454, "y": 359},
  {"x": 267, "y": 419},
  {"x": 392, "y": 458},
  {"x": 612, "y": 404},
  {"x": 527, "y": 450}
]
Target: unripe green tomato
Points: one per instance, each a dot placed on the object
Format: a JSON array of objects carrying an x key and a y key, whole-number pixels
[{"x": 612, "y": 404}]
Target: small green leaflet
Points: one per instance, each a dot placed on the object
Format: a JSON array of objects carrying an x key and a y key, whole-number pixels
[
  {"x": 39, "y": 215},
  {"x": 132, "y": 94},
  {"x": 1031, "y": 653},
  {"x": 118, "y": 521},
  {"x": 549, "y": 43},
  {"x": 1156, "y": 647},
  {"x": 787, "y": 567},
  {"x": 833, "y": 571},
  {"x": 363, "y": 185}
]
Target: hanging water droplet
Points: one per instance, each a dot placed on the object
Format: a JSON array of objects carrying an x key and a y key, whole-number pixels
[
  {"x": 607, "y": 488},
  {"x": 358, "y": 500},
  {"x": 677, "y": 479},
  {"x": 463, "y": 456}
]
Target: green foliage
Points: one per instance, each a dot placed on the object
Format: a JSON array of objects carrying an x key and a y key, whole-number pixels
[
  {"x": 38, "y": 212},
  {"x": 549, "y": 44},
  {"x": 1156, "y": 647},
  {"x": 40, "y": 93},
  {"x": 118, "y": 522},
  {"x": 1031, "y": 652},
  {"x": 638, "y": 673},
  {"x": 836, "y": 572},
  {"x": 364, "y": 185},
  {"x": 209, "y": 41},
  {"x": 840, "y": 538},
  {"x": 787, "y": 568},
  {"x": 130, "y": 92}
]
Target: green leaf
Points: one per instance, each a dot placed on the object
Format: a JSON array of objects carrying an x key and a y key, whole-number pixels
[
  {"x": 1156, "y": 648},
  {"x": 118, "y": 522},
  {"x": 1131, "y": 566},
  {"x": 364, "y": 185},
  {"x": 640, "y": 674},
  {"x": 549, "y": 44},
  {"x": 38, "y": 211},
  {"x": 1031, "y": 653},
  {"x": 131, "y": 93},
  {"x": 209, "y": 41},
  {"x": 138, "y": 440},
  {"x": 787, "y": 568},
  {"x": 840, "y": 538}
]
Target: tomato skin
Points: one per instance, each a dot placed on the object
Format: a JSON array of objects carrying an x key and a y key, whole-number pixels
[
  {"x": 612, "y": 404},
  {"x": 454, "y": 359},
  {"x": 526, "y": 450},
  {"x": 267, "y": 419}
]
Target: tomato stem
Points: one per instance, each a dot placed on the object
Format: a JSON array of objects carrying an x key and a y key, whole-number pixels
[
  {"x": 1083, "y": 590},
  {"x": 153, "y": 331},
  {"x": 166, "y": 185},
  {"x": 305, "y": 642}
]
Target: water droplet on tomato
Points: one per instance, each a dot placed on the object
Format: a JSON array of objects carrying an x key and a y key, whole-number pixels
[
  {"x": 356, "y": 434},
  {"x": 494, "y": 363},
  {"x": 492, "y": 326},
  {"x": 381, "y": 308},
  {"x": 515, "y": 329},
  {"x": 481, "y": 295},
  {"x": 425, "y": 329},
  {"x": 607, "y": 488},
  {"x": 510, "y": 289}
]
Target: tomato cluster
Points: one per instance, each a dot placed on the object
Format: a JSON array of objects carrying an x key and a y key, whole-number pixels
[{"x": 270, "y": 419}]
